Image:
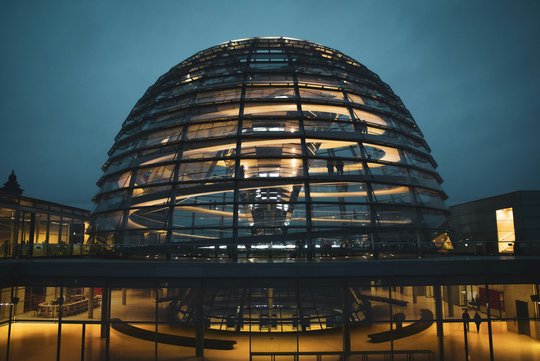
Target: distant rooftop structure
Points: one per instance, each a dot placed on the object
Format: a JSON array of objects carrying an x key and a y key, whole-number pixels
[
  {"x": 12, "y": 186},
  {"x": 31, "y": 227}
]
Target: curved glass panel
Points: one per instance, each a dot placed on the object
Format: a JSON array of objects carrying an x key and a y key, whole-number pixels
[{"x": 269, "y": 145}]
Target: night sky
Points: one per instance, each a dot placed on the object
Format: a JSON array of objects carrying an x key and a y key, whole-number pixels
[{"x": 469, "y": 72}]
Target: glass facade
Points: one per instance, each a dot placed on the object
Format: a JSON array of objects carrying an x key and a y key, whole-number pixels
[
  {"x": 346, "y": 320},
  {"x": 34, "y": 228},
  {"x": 270, "y": 146}
]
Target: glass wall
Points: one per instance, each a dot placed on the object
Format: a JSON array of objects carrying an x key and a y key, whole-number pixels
[
  {"x": 282, "y": 318},
  {"x": 34, "y": 228}
]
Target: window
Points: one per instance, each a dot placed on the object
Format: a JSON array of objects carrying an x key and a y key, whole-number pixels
[{"x": 506, "y": 234}]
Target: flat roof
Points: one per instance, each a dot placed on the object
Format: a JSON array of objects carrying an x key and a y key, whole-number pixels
[
  {"x": 535, "y": 192},
  {"x": 4, "y": 196},
  {"x": 127, "y": 273}
]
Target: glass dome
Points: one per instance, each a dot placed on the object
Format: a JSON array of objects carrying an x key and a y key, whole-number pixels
[{"x": 270, "y": 145}]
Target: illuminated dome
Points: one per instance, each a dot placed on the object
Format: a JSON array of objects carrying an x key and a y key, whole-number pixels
[{"x": 270, "y": 145}]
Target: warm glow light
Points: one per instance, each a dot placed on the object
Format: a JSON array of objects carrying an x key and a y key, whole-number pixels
[
  {"x": 380, "y": 192},
  {"x": 165, "y": 158},
  {"x": 261, "y": 109},
  {"x": 210, "y": 211},
  {"x": 506, "y": 234},
  {"x": 244, "y": 151},
  {"x": 258, "y": 143},
  {"x": 390, "y": 154},
  {"x": 188, "y": 235},
  {"x": 196, "y": 209}
]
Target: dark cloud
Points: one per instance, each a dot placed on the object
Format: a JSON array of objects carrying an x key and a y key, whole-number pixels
[{"x": 70, "y": 72}]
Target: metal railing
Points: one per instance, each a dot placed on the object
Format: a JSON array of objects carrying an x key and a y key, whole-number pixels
[
  {"x": 275, "y": 252},
  {"x": 343, "y": 356}
]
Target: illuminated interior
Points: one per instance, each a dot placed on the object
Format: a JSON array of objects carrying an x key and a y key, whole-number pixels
[
  {"x": 268, "y": 143},
  {"x": 40, "y": 228},
  {"x": 506, "y": 234}
]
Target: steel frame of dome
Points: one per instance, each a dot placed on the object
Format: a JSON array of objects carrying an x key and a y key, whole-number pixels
[{"x": 270, "y": 143}]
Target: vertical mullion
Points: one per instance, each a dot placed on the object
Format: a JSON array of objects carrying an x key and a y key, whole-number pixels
[
  {"x": 83, "y": 338},
  {"x": 156, "y": 315},
  {"x": 298, "y": 315},
  {"x": 391, "y": 312},
  {"x": 15, "y": 250},
  {"x": 125, "y": 212},
  {"x": 374, "y": 219},
  {"x": 31, "y": 235},
  {"x": 439, "y": 319},
  {"x": 346, "y": 321},
  {"x": 60, "y": 228},
  {"x": 106, "y": 314},
  {"x": 250, "y": 301},
  {"x": 20, "y": 235},
  {"x": 60, "y": 312},
  {"x": 47, "y": 251},
  {"x": 307, "y": 191},
  {"x": 490, "y": 329},
  {"x": 233, "y": 248},
  {"x": 418, "y": 206},
  {"x": 10, "y": 322},
  {"x": 174, "y": 183}
]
